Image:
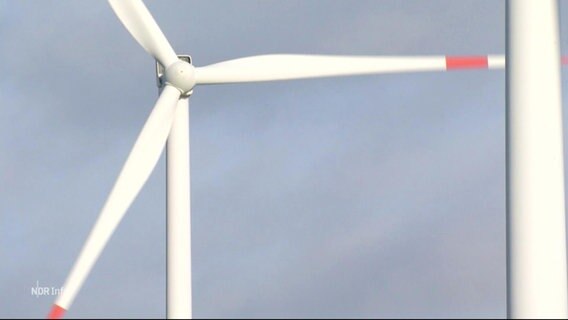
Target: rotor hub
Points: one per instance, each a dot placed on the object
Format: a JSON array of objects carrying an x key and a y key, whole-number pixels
[{"x": 180, "y": 75}]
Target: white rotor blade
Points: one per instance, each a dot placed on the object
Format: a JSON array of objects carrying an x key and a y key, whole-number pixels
[
  {"x": 292, "y": 66},
  {"x": 138, "y": 167},
  {"x": 139, "y": 22}
]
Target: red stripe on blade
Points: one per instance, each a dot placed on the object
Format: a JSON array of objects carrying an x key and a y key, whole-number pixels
[
  {"x": 564, "y": 59},
  {"x": 56, "y": 312},
  {"x": 466, "y": 62}
]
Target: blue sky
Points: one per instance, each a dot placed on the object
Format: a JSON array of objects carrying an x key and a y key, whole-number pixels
[{"x": 372, "y": 196}]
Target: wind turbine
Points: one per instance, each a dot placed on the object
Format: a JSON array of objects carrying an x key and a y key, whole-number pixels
[{"x": 169, "y": 122}]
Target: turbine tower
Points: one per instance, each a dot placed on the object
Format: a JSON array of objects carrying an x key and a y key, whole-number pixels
[{"x": 536, "y": 236}]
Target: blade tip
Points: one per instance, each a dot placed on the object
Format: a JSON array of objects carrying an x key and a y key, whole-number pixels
[{"x": 56, "y": 312}]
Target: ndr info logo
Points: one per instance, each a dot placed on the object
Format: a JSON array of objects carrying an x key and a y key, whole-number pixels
[{"x": 45, "y": 291}]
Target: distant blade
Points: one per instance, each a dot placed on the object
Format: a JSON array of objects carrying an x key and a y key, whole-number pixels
[
  {"x": 138, "y": 167},
  {"x": 142, "y": 26},
  {"x": 291, "y": 66}
]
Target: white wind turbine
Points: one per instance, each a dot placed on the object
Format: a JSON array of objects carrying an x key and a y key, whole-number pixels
[{"x": 169, "y": 123}]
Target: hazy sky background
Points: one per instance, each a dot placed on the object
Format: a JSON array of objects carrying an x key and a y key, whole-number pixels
[{"x": 372, "y": 196}]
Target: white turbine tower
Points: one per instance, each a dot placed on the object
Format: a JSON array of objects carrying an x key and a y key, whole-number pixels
[
  {"x": 169, "y": 122},
  {"x": 536, "y": 236}
]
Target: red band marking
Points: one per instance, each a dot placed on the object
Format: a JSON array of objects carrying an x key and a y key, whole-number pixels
[
  {"x": 466, "y": 62},
  {"x": 56, "y": 312},
  {"x": 564, "y": 59}
]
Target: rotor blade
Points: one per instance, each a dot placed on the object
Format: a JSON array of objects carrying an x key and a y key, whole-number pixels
[
  {"x": 139, "y": 22},
  {"x": 138, "y": 167},
  {"x": 291, "y": 66}
]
